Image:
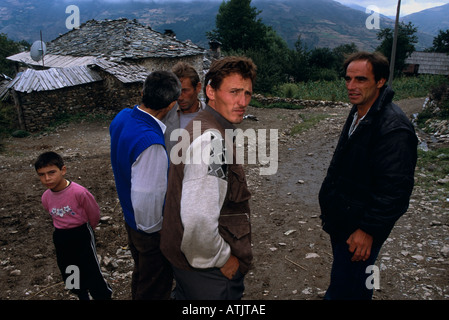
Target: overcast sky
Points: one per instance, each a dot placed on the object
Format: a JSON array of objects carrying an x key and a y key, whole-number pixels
[
  {"x": 389, "y": 7},
  {"x": 386, "y": 7}
]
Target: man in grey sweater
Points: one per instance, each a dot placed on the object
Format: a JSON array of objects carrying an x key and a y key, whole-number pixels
[
  {"x": 206, "y": 233},
  {"x": 188, "y": 104}
]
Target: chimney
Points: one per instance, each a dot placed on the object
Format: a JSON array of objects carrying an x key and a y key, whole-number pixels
[
  {"x": 170, "y": 33},
  {"x": 215, "y": 48}
]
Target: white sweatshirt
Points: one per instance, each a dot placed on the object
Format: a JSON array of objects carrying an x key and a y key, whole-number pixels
[{"x": 203, "y": 192}]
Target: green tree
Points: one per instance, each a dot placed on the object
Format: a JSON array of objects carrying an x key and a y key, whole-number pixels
[
  {"x": 299, "y": 69},
  {"x": 237, "y": 26},
  {"x": 272, "y": 60},
  {"x": 340, "y": 54},
  {"x": 405, "y": 44},
  {"x": 441, "y": 42},
  {"x": 9, "y": 47}
]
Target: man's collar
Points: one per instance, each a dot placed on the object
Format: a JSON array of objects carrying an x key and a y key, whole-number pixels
[
  {"x": 385, "y": 96},
  {"x": 159, "y": 122},
  {"x": 202, "y": 105},
  {"x": 220, "y": 119}
]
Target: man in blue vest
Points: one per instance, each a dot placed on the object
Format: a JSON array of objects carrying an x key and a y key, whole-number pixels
[{"x": 140, "y": 164}]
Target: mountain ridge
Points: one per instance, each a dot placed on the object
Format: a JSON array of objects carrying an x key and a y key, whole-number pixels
[{"x": 320, "y": 23}]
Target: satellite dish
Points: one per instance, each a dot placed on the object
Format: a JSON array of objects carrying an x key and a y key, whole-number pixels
[{"x": 38, "y": 50}]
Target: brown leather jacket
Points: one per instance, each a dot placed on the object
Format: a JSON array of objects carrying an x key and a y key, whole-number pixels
[{"x": 234, "y": 220}]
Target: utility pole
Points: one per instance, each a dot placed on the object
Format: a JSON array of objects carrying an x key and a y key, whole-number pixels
[{"x": 393, "y": 49}]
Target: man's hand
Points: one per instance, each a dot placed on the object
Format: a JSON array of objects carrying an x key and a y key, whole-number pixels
[
  {"x": 230, "y": 268},
  {"x": 360, "y": 244}
]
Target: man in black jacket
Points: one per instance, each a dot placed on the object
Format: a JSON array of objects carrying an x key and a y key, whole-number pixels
[{"x": 370, "y": 178}]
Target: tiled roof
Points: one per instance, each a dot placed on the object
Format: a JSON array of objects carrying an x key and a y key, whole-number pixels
[
  {"x": 430, "y": 62},
  {"x": 120, "y": 39}
]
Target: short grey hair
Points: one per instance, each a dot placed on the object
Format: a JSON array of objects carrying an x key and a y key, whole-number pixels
[{"x": 160, "y": 89}]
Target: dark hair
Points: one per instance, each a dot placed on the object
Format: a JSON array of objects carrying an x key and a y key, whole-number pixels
[
  {"x": 185, "y": 70},
  {"x": 380, "y": 64},
  {"x": 222, "y": 68},
  {"x": 160, "y": 89},
  {"x": 48, "y": 159}
]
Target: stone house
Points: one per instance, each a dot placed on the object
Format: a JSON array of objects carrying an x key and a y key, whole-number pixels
[
  {"x": 427, "y": 63},
  {"x": 124, "y": 40},
  {"x": 99, "y": 67},
  {"x": 41, "y": 96}
]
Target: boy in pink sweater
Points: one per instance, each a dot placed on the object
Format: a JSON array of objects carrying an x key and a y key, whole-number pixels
[{"x": 75, "y": 213}]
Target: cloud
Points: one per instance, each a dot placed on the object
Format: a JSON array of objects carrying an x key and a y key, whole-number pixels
[
  {"x": 389, "y": 7},
  {"x": 386, "y": 7}
]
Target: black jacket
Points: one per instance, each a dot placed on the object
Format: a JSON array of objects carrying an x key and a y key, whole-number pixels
[{"x": 371, "y": 175}]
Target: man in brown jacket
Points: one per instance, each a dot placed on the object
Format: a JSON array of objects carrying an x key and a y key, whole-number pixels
[{"x": 206, "y": 233}]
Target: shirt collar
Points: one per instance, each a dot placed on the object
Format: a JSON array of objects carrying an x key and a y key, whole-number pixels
[
  {"x": 201, "y": 105},
  {"x": 159, "y": 122},
  {"x": 220, "y": 119}
]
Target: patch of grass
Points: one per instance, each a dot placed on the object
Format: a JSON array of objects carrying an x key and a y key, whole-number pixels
[
  {"x": 308, "y": 122},
  {"x": 8, "y": 119},
  {"x": 314, "y": 90},
  {"x": 416, "y": 87},
  {"x": 432, "y": 166},
  {"x": 404, "y": 87}
]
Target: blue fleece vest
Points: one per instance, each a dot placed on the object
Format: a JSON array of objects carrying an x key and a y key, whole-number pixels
[{"x": 132, "y": 131}]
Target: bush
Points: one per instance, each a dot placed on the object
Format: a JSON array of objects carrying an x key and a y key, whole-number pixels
[
  {"x": 416, "y": 87},
  {"x": 322, "y": 74},
  {"x": 288, "y": 90},
  {"x": 314, "y": 90},
  {"x": 8, "y": 119},
  {"x": 437, "y": 107},
  {"x": 20, "y": 134}
]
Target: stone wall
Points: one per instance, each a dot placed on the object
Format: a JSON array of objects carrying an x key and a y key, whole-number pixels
[
  {"x": 299, "y": 102},
  {"x": 37, "y": 110},
  {"x": 116, "y": 95}
]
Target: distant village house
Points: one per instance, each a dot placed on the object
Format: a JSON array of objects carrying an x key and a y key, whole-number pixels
[
  {"x": 99, "y": 67},
  {"x": 427, "y": 63}
]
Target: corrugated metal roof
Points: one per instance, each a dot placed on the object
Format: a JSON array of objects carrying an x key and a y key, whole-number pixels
[
  {"x": 430, "y": 62},
  {"x": 4, "y": 86},
  {"x": 56, "y": 78},
  {"x": 124, "y": 72},
  {"x": 52, "y": 60}
]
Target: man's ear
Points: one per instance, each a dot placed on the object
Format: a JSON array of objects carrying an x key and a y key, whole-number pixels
[
  {"x": 210, "y": 92},
  {"x": 198, "y": 87},
  {"x": 381, "y": 83}
]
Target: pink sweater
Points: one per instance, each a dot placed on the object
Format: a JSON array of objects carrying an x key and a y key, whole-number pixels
[{"x": 71, "y": 207}]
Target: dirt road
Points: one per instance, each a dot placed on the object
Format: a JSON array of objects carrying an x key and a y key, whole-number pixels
[{"x": 292, "y": 255}]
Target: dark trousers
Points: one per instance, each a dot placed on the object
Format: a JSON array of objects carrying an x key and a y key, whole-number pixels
[
  {"x": 208, "y": 284},
  {"x": 348, "y": 278},
  {"x": 76, "y": 247},
  {"x": 152, "y": 277}
]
